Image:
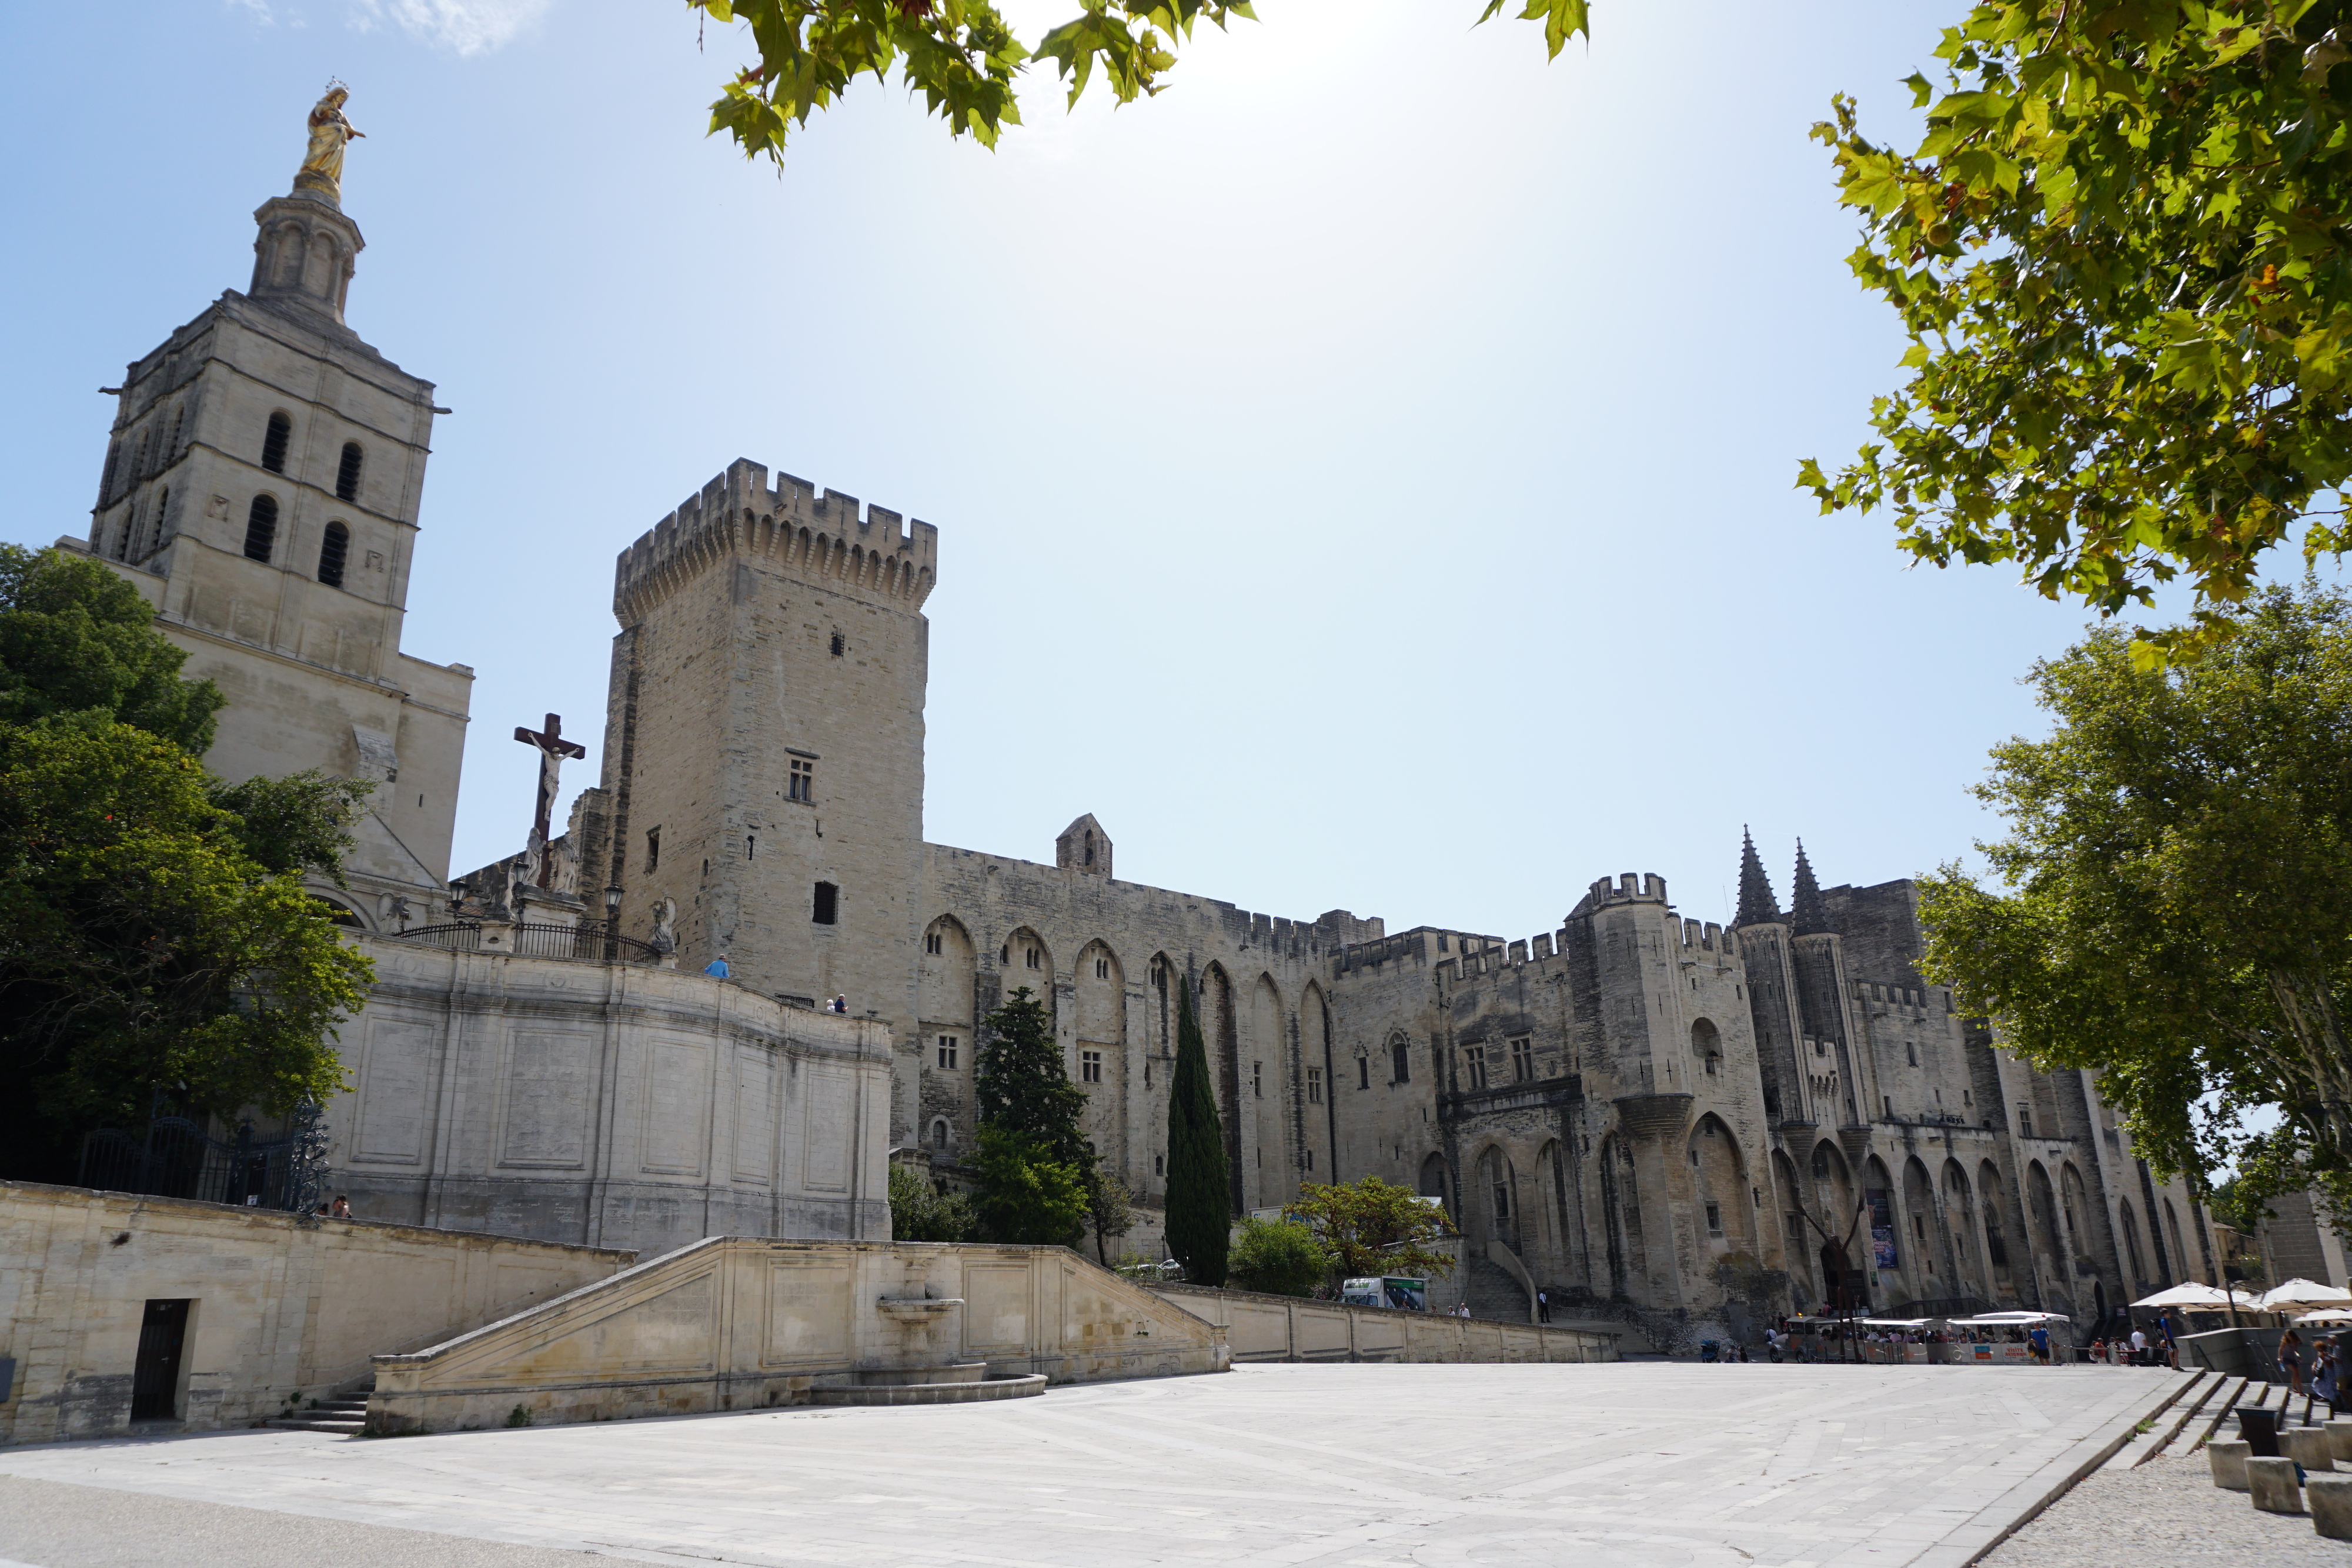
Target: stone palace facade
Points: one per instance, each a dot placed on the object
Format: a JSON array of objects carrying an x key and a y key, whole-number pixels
[{"x": 1705, "y": 1122}]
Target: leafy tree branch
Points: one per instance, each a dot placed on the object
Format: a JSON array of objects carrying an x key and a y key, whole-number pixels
[{"x": 964, "y": 60}]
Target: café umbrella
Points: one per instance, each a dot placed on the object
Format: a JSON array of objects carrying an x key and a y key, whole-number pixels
[{"x": 2305, "y": 1295}]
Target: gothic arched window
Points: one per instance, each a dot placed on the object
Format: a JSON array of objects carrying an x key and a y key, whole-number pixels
[
  {"x": 347, "y": 478},
  {"x": 261, "y": 528},
  {"x": 275, "y": 441},
  {"x": 331, "y": 551}
]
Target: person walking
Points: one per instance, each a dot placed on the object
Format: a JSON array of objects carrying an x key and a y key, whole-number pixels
[
  {"x": 2165, "y": 1341},
  {"x": 2039, "y": 1338},
  {"x": 716, "y": 967},
  {"x": 2291, "y": 1361},
  {"x": 1543, "y": 1306}
]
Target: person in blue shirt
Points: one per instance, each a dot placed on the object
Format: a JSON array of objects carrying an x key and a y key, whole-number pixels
[
  {"x": 716, "y": 967},
  {"x": 2039, "y": 1338}
]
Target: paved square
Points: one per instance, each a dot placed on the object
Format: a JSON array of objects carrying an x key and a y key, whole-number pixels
[{"x": 1648, "y": 1465}]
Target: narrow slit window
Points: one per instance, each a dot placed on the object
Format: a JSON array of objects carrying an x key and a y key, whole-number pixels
[
  {"x": 826, "y": 904},
  {"x": 332, "y": 550},
  {"x": 653, "y": 849},
  {"x": 347, "y": 474},
  {"x": 261, "y": 528},
  {"x": 1363, "y": 1073},
  {"x": 274, "y": 441},
  {"x": 931, "y": 943}
]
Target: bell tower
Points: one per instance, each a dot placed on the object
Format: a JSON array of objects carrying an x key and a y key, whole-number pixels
[{"x": 261, "y": 488}]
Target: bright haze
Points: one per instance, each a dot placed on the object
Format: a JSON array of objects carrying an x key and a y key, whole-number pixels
[{"x": 1363, "y": 473}]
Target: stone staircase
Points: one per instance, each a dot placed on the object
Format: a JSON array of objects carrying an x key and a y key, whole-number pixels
[
  {"x": 1494, "y": 1295},
  {"x": 964, "y": 1383},
  {"x": 346, "y": 1414}
]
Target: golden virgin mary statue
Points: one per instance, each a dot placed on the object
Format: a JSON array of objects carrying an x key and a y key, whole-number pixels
[{"x": 322, "y": 165}]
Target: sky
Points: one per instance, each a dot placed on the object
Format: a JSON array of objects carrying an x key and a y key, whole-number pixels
[{"x": 1364, "y": 472}]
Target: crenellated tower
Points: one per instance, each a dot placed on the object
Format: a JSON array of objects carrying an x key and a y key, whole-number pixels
[{"x": 764, "y": 753}]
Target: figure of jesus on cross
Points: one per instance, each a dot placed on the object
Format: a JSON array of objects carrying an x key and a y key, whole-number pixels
[{"x": 554, "y": 749}]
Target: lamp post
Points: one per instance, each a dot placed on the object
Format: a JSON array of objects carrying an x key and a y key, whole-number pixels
[{"x": 612, "y": 922}]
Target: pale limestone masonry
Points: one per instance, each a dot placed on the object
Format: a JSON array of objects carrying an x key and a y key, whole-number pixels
[
  {"x": 282, "y": 1312},
  {"x": 1703, "y": 1126},
  {"x": 262, "y": 488},
  {"x": 606, "y": 1105},
  {"x": 1260, "y": 1328},
  {"x": 743, "y": 1323}
]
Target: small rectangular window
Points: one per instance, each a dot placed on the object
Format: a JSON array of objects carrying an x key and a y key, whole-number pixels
[
  {"x": 930, "y": 942},
  {"x": 827, "y": 905},
  {"x": 947, "y": 1044},
  {"x": 1315, "y": 1086},
  {"x": 1523, "y": 1060},
  {"x": 802, "y": 785},
  {"x": 1091, "y": 1067},
  {"x": 1030, "y": 956},
  {"x": 653, "y": 847},
  {"x": 1257, "y": 1079},
  {"x": 1715, "y": 1219},
  {"x": 1310, "y": 1159},
  {"x": 1102, "y": 969},
  {"x": 1474, "y": 1065}
]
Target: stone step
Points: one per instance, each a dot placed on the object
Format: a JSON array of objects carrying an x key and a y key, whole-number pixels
[
  {"x": 932, "y": 1393},
  {"x": 348, "y": 1426},
  {"x": 2201, "y": 1387}
]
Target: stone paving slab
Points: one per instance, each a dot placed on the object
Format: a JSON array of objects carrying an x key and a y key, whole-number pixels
[
  {"x": 2167, "y": 1513},
  {"x": 1639, "y": 1465}
]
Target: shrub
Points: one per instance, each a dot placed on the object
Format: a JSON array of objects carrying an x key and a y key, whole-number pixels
[{"x": 1279, "y": 1257}]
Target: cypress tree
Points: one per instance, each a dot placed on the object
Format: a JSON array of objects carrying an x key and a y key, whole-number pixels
[{"x": 1199, "y": 1205}]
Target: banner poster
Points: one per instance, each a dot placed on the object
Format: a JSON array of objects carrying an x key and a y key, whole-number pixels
[{"x": 1882, "y": 1227}]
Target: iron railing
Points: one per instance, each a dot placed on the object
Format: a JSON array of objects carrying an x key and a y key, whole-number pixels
[
  {"x": 591, "y": 942},
  {"x": 176, "y": 1157}
]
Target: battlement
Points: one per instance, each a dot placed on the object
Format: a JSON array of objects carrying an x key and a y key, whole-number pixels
[
  {"x": 1702, "y": 934},
  {"x": 790, "y": 528},
  {"x": 1648, "y": 888}
]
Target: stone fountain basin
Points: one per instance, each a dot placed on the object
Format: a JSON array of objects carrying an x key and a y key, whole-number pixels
[{"x": 918, "y": 1308}]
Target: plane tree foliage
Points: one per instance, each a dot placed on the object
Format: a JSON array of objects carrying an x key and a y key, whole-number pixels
[
  {"x": 2118, "y": 252},
  {"x": 964, "y": 60},
  {"x": 2172, "y": 905},
  {"x": 156, "y": 934}
]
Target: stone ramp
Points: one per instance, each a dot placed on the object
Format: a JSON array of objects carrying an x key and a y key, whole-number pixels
[{"x": 746, "y": 1323}]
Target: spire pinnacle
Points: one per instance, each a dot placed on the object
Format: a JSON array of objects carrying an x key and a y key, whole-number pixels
[
  {"x": 1805, "y": 913},
  {"x": 1756, "y": 904}
]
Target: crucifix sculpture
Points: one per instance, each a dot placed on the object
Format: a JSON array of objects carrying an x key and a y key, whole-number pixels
[{"x": 553, "y": 750}]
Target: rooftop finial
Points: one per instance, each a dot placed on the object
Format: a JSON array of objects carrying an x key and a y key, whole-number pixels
[
  {"x": 1805, "y": 913},
  {"x": 1756, "y": 904}
]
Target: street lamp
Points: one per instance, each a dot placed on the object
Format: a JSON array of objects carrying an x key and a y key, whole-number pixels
[{"x": 612, "y": 922}]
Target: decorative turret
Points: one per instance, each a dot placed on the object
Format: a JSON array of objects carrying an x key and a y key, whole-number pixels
[
  {"x": 1805, "y": 913},
  {"x": 1756, "y": 904}
]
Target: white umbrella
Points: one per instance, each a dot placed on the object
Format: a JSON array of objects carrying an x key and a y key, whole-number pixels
[
  {"x": 2305, "y": 1294},
  {"x": 2324, "y": 1315},
  {"x": 2187, "y": 1293}
]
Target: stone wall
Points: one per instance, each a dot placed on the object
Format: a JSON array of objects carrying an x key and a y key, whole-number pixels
[
  {"x": 282, "y": 1312},
  {"x": 605, "y": 1104},
  {"x": 1285, "y": 1328},
  {"x": 742, "y": 1324}
]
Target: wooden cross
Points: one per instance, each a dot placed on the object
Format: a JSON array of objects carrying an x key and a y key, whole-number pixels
[{"x": 554, "y": 749}]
